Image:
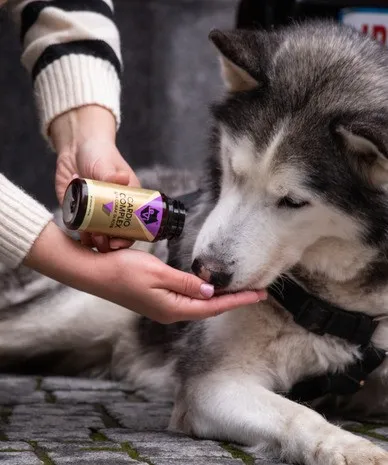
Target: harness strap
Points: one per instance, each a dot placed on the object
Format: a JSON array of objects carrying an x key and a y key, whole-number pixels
[
  {"x": 346, "y": 383},
  {"x": 321, "y": 317}
]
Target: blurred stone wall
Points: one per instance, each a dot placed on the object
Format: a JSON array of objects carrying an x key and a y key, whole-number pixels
[{"x": 171, "y": 75}]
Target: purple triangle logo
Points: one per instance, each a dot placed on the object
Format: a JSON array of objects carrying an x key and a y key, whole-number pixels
[
  {"x": 151, "y": 215},
  {"x": 107, "y": 208}
]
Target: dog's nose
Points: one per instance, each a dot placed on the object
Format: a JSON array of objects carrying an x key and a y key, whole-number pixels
[{"x": 212, "y": 271}]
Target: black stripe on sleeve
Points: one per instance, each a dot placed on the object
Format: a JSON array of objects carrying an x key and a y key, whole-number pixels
[
  {"x": 31, "y": 12},
  {"x": 95, "y": 48}
]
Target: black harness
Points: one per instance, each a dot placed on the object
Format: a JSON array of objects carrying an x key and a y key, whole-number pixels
[{"x": 320, "y": 317}]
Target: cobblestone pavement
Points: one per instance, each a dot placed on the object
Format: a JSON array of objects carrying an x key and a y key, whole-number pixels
[{"x": 57, "y": 421}]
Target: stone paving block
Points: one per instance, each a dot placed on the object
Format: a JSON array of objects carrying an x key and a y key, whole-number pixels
[
  {"x": 382, "y": 431},
  {"x": 88, "y": 397},
  {"x": 19, "y": 458},
  {"x": 182, "y": 452},
  {"x": 72, "y": 430},
  {"x": 64, "y": 422},
  {"x": 71, "y": 384},
  {"x": 55, "y": 434},
  {"x": 12, "y": 398},
  {"x": 262, "y": 461},
  {"x": 145, "y": 423},
  {"x": 32, "y": 410},
  {"x": 259, "y": 457},
  {"x": 93, "y": 458},
  {"x": 67, "y": 447},
  {"x": 380, "y": 420},
  {"x": 200, "y": 461},
  {"x": 127, "y": 435},
  {"x": 19, "y": 389},
  {"x": 177, "y": 450},
  {"x": 154, "y": 409},
  {"x": 141, "y": 416},
  {"x": 6, "y": 446},
  {"x": 168, "y": 446},
  {"x": 17, "y": 384}
]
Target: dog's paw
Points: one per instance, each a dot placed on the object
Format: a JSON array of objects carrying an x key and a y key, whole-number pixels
[{"x": 356, "y": 451}]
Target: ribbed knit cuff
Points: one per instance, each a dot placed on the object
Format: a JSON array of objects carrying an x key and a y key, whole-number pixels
[
  {"x": 22, "y": 219},
  {"x": 74, "y": 81}
]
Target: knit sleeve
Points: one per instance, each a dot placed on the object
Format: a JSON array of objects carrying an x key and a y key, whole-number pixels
[
  {"x": 22, "y": 219},
  {"x": 71, "y": 48}
]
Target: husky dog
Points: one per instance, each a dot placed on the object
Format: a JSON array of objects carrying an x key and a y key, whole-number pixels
[{"x": 296, "y": 187}]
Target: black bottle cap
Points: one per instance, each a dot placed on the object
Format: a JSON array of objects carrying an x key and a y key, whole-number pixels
[{"x": 175, "y": 219}]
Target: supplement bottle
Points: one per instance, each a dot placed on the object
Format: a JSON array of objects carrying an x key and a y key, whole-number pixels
[{"x": 122, "y": 211}]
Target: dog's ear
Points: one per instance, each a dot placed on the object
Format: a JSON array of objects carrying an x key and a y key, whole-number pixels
[
  {"x": 240, "y": 52},
  {"x": 368, "y": 150}
]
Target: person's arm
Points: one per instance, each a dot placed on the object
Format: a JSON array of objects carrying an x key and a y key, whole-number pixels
[
  {"x": 72, "y": 51},
  {"x": 22, "y": 219},
  {"x": 132, "y": 279}
]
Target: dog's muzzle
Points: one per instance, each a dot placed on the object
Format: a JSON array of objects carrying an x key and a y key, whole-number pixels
[{"x": 212, "y": 271}]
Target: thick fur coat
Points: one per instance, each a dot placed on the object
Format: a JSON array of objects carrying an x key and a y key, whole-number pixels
[{"x": 295, "y": 186}]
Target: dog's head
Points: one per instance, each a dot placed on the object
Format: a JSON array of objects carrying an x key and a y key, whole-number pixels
[{"x": 302, "y": 151}]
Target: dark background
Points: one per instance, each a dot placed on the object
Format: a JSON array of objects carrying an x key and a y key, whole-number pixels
[{"x": 171, "y": 75}]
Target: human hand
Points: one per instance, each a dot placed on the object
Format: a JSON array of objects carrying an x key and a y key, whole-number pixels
[
  {"x": 151, "y": 288},
  {"x": 133, "y": 279},
  {"x": 84, "y": 139}
]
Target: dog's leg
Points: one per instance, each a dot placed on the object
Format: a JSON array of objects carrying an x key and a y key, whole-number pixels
[{"x": 236, "y": 408}]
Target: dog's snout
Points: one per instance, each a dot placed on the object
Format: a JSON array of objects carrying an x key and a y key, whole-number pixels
[{"x": 212, "y": 271}]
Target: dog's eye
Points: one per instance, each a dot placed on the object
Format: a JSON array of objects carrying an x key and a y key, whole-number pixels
[{"x": 288, "y": 202}]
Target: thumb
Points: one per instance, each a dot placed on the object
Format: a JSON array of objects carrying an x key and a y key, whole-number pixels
[
  {"x": 189, "y": 285},
  {"x": 118, "y": 173},
  {"x": 116, "y": 177},
  {"x": 110, "y": 167}
]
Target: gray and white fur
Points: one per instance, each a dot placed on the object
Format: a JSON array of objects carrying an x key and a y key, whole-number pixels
[{"x": 295, "y": 185}]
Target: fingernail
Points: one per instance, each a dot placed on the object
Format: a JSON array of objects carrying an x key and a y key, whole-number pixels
[
  {"x": 114, "y": 247},
  {"x": 207, "y": 290}
]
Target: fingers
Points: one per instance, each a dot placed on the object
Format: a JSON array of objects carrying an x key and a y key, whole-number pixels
[
  {"x": 195, "y": 309},
  {"x": 122, "y": 166},
  {"x": 198, "y": 310},
  {"x": 113, "y": 168},
  {"x": 194, "y": 299},
  {"x": 86, "y": 239},
  {"x": 115, "y": 177},
  {"x": 186, "y": 284},
  {"x": 104, "y": 243},
  {"x": 116, "y": 244}
]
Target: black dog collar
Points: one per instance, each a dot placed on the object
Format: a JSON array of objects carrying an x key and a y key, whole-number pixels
[{"x": 321, "y": 317}]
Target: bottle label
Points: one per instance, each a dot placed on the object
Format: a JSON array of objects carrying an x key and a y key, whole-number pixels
[{"x": 121, "y": 211}]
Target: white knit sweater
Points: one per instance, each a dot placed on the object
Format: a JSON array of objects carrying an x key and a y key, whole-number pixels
[{"x": 72, "y": 52}]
